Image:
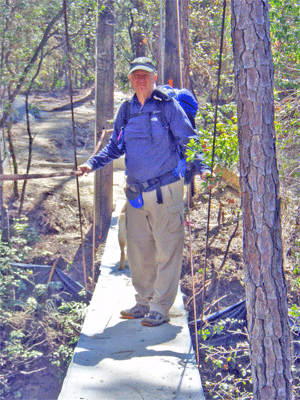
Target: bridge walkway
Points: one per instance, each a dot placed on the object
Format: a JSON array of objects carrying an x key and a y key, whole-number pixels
[{"x": 118, "y": 359}]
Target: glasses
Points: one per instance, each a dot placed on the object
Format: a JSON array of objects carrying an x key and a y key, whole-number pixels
[{"x": 141, "y": 76}]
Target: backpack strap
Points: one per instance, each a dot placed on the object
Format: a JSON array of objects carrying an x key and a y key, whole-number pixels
[
  {"x": 162, "y": 115},
  {"x": 162, "y": 94},
  {"x": 127, "y": 115},
  {"x": 125, "y": 111},
  {"x": 127, "y": 106}
]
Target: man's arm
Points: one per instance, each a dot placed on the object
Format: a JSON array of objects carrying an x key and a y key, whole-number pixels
[{"x": 111, "y": 151}]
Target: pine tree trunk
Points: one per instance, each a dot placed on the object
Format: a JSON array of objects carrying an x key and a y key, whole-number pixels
[{"x": 266, "y": 292}]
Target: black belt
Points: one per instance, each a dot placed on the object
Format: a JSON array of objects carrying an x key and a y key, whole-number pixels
[{"x": 156, "y": 183}]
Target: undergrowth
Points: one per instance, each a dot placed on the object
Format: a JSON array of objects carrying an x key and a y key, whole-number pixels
[
  {"x": 225, "y": 368},
  {"x": 38, "y": 329}
]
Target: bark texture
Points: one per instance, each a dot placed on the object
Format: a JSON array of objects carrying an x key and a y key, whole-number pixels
[{"x": 266, "y": 291}]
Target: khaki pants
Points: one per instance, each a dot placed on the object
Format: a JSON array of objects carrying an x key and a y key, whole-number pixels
[{"x": 155, "y": 236}]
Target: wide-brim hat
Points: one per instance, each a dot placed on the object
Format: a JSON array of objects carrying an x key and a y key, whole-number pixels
[{"x": 142, "y": 63}]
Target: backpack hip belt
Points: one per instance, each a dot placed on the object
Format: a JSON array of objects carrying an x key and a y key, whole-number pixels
[{"x": 155, "y": 183}]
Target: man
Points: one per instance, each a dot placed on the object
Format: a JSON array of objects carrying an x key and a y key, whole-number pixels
[{"x": 154, "y": 214}]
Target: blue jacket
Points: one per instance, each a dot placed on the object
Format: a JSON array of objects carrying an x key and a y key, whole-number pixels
[{"x": 150, "y": 151}]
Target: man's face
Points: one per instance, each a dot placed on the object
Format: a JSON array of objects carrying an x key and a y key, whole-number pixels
[{"x": 142, "y": 82}]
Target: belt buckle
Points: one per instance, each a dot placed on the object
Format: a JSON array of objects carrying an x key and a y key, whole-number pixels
[{"x": 148, "y": 183}]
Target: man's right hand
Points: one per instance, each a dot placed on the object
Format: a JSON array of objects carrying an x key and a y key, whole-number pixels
[{"x": 84, "y": 168}]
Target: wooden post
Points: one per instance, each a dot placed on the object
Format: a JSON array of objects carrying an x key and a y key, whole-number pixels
[{"x": 104, "y": 96}]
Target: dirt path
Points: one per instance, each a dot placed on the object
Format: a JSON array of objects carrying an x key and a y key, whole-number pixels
[{"x": 51, "y": 204}]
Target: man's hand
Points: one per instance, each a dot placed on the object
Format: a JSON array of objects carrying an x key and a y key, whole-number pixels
[
  {"x": 84, "y": 168},
  {"x": 209, "y": 177}
]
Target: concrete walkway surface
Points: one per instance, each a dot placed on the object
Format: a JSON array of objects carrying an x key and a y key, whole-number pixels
[{"x": 118, "y": 359}]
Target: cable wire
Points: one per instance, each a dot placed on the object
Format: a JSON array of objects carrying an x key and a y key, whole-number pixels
[
  {"x": 193, "y": 280},
  {"x": 179, "y": 40},
  {"x": 74, "y": 140},
  {"x": 213, "y": 149}
]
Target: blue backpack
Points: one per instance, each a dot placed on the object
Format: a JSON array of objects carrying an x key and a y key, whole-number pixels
[
  {"x": 184, "y": 97},
  {"x": 189, "y": 104}
]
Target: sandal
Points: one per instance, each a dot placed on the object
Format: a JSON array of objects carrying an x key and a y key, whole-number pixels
[
  {"x": 138, "y": 311},
  {"x": 154, "y": 318}
]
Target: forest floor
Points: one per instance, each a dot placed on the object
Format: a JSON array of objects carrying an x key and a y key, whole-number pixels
[{"x": 52, "y": 209}]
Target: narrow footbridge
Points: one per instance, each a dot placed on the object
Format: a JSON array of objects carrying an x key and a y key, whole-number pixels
[{"x": 118, "y": 359}]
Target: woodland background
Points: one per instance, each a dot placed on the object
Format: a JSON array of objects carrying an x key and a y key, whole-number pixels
[{"x": 33, "y": 63}]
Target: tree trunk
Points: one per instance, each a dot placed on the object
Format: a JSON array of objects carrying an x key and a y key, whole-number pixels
[
  {"x": 30, "y": 64},
  {"x": 185, "y": 44},
  {"x": 104, "y": 97},
  {"x": 30, "y": 136},
  {"x": 157, "y": 51},
  {"x": 266, "y": 292},
  {"x": 139, "y": 44},
  {"x": 137, "y": 36},
  {"x": 4, "y": 217},
  {"x": 12, "y": 153},
  {"x": 172, "y": 67}
]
